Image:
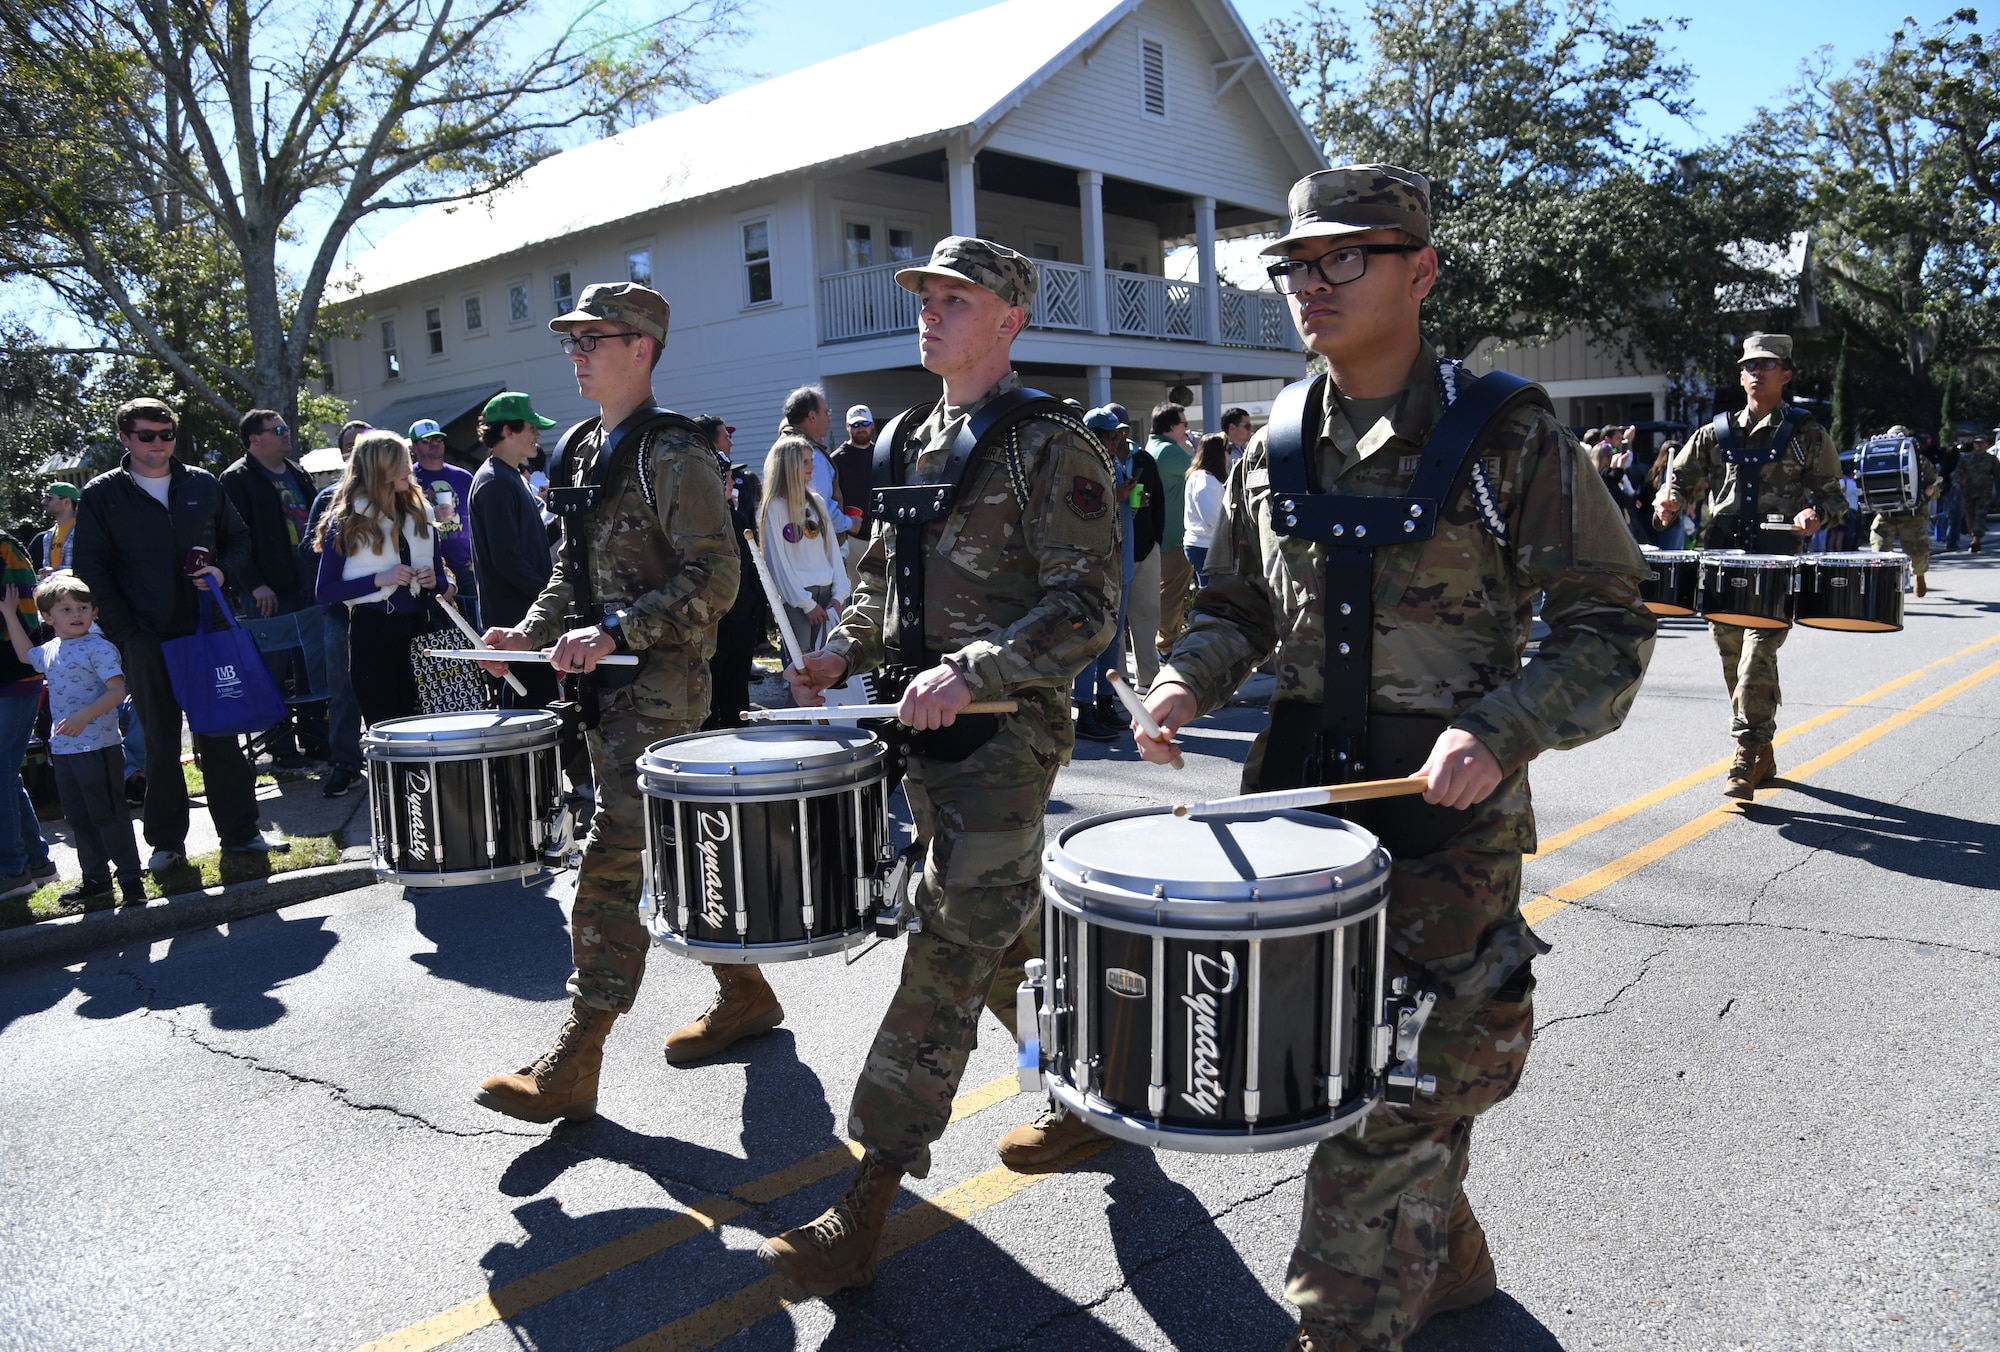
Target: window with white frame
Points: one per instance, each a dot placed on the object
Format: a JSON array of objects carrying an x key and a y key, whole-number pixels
[
  {"x": 902, "y": 244},
  {"x": 639, "y": 266},
  {"x": 434, "y": 330},
  {"x": 475, "y": 315},
  {"x": 859, "y": 237},
  {"x": 757, "y": 288},
  {"x": 392, "y": 357},
  {"x": 562, "y": 293},
  {"x": 517, "y": 303},
  {"x": 1153, "y": 77}
]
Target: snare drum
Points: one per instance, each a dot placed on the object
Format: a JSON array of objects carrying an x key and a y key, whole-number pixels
[
  {"x": 457, "y": 799},
  {"x": 1885, "y": 472},
  {"x": 763, "y": 844},
  {"x": 1676, "y": 582},
  {"x": 1861, "y": 593},
  {"x": 1215, "y": 986},
  {"x": 1751, "y": 590}
]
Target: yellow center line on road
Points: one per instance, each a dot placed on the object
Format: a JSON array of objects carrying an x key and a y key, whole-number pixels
[
  {"x": 700, "y": 1217},
  {"x": 1624, "y": 811},
  {"x": 751, "y": 1305},
  {"x": 1595, "y": 881}
]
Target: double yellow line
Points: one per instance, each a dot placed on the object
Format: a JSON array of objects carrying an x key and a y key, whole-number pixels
[{"x": 751, "y": 1304}]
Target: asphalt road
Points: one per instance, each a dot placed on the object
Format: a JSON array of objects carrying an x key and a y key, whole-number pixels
[{"x": 1758, "y": 1111}]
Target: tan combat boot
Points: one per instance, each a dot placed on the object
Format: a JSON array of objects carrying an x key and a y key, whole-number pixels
[
  {"x": 1466, "y": 1278},
  {"x": 1045, "y": 1140},
  {"x": 1764, "y": 768},
  {"x": 1742, "y": 773},
  {"x": 1922, "y": 590},
  {"x": 838, "y": 1250},
  {"x": 562, "y": 1082},
  {"x": 744, "y": 1006}
]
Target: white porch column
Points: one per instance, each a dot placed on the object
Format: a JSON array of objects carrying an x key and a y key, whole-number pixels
[
  {"x": 1211, "y": 402},
  {"x": 1100, "y": 385},
  {"x": 958, "y": 178},
  {"x": 1090, "y": 189},
  {"x": 1204, "y": 246}
]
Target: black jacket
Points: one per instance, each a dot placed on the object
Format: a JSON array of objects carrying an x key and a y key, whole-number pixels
[
  {"x": 132, "y": 552},
  {"x": 1149, "y": 521},
  {"x": 510, "y": 547},
  {"x": 273, "y": 562}
]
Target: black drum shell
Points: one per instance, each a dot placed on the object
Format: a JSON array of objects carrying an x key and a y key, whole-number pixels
[
  {"x": 1675, "y": 585},
  {"x": 428, "y": 795},
  {"x": 1852, "y": 594},
  {"x": 1742, "y": 590}
]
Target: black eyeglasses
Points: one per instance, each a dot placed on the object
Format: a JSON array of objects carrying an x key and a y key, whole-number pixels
[
  {"x": 149, "y": 436},
  {"x": 587, "y": 342},
  {"x": 1335, "y": 267}
]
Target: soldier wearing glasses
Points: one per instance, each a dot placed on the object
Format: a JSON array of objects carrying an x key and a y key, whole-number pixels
[{"x": 648, "y": 566}]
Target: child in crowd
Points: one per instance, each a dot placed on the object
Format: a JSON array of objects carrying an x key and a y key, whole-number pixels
[{"x": 86, "y": 684}]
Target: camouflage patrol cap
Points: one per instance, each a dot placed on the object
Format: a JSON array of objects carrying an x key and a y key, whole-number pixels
[
  {"x": 1777, "y": 345},
  {"x": 628, "y": 303},
  {"x": 1356, "y": 198},
  {"x": 1008, "y": 275}
]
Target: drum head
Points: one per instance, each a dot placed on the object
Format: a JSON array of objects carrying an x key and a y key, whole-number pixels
[
  {"x": 473, "y": 733},
  {"x": 760, "y": 762}
]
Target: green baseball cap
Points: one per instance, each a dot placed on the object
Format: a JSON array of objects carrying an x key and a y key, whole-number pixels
[
  {"x": 1356, "y": 198},
  {"x": 1008, "y": 275},
  {"x": 513, "y": 406},
  {"x": 62, "y": 490},
  {"x": 628, "y": 303}
]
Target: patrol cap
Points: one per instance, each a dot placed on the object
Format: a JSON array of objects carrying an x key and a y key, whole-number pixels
[
  {"x": 60, "y": 489},
  {"x": 1777, "y": 345},
  {"x": 425, "y": 427},
  {"x": 512, "y": 406},
  {"x": 1103, "y": 420},
  {"x": 1356, "y": 198},
  {"x": 1008, "y": 275},
  {"x": 628, "y": 303},
  {"x": 859, "y": 414}
]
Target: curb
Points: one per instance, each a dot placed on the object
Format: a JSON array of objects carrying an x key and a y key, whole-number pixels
[{"x": 72, "y": 936}]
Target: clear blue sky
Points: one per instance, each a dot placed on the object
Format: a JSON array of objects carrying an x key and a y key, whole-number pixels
[{"x": 1744, "y": 55}]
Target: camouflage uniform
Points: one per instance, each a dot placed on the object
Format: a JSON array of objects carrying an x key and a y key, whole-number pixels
[
  {"x": 1785, "y": 488},
  {"x": 1451, "y": 618},
  {"x": 1019, "y": 596},
  {"x": 1910, "y": 531},
  {"x": 669, "y": 573},
  {"x": 1978, "y": 481}
]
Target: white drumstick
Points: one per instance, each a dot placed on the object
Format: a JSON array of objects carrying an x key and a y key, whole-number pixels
[
  {"x": 777, "y": 603},
  {"x": 1147, "y": 724},
  {"x": 511, "y": 655},
  {"x": 849, "y": 712},
  {"x": 1278, "y": 800},
  {"x": 465, "y": 627}
]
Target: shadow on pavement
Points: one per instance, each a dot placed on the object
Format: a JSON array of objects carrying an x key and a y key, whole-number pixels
[
  {"x": 499, "y": 937},
  {"x": 1502, "y": 1324},
  {"x": 1900, "y": 840}
]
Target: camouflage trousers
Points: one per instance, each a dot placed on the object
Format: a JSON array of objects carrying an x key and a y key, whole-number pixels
[
  {"x": 1908, "y": 531},
  {"x": 1378, "y": 1198},
  {"x": 1750, "y": 671},
  {"x": 607, "y": 941},
  {"x": 1976, "y": 509},
  {"x": 980, "y": 902}
]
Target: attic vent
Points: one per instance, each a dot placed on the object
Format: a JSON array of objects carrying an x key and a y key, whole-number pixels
[{"x": 1153, "y": 77}]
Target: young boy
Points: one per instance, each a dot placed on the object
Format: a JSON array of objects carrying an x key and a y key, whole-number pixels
[{"x": 86, "y": 683}]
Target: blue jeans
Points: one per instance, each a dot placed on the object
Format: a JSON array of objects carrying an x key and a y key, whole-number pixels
[
  {"x": 1197, "y": 557},
  {"x": 21, "y": 843},
  {"x": 343, "y": 710},
  {"x": 134, "y": 733}
]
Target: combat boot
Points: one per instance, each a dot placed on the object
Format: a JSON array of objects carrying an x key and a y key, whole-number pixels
[
  {"x": 1922, "y": 590},
  {"x": 1742, "y": 773},
  {"x": 562, "y": 1082},
  {"x": 838, "y": 1250},
  {"x": 1764, "y": 768},
  {"x": 1045, "y": 1140},
  {"x": 1304, "y": 1339},
  {"x": 1466, "y": 1277},
  {"x": 744, "y": 1006}
]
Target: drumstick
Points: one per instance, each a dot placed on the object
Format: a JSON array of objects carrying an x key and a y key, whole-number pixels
[
  {"x": 1279, "y": 799},
  {"x": 851, "y": 711},
  {"x": 1784, "y": 526},
  {"x": 777, "y": 602},
  {"x": 465, "y": 627},
  {"x": 1147, "y": 723},
  {"x": 512, "y": 655}
]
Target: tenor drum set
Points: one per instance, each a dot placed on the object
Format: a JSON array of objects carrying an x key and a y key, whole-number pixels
[{"x": 1853, "y": 592}]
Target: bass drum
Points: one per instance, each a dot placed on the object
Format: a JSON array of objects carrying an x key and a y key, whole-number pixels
[
  {"x": 1754, "y": 591},
  {"x": 1885, "y": 473},
  {"x": 1860, "y": 593}
]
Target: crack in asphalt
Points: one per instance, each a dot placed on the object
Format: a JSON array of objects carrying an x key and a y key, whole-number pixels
[
  {"x": 1812, "y": 852},
  {"x": 1645, "y": 965},
  {"x": 1609, "y": 914}
]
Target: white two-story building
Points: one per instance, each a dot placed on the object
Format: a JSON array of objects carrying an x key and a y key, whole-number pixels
[{"x": 1094, "y": 135}]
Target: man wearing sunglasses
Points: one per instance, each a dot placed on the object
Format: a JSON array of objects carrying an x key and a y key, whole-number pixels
[
  {"x": 1404, "y": 657},
  {"x": 137, "y": 526},
  {"x": 1761, "y": 508}
]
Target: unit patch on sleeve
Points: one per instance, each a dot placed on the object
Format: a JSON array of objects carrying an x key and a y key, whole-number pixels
[{"x": 1086, "y": 497}]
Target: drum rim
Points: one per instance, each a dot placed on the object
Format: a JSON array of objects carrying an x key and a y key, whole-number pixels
[
  {"x": 1738, "y": 558},
  {"x": 1109, "y": 1119},
  {"x": 1307, "y": 903},
  {"x": 494, "y": 873},
  {"x": 520, "y": 730},
  {"x": 860, "y": 759},
  {"x": 697, "y": 950}
]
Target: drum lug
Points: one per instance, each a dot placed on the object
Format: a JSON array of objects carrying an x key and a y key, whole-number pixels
[
  {"x": 1404, "y": 1081},
  {"x": 889, "y": 889},
  {"x": 1027, "y": 1026}
]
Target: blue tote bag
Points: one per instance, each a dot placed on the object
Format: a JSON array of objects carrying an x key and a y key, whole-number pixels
[{"x": 220, "y": 678}]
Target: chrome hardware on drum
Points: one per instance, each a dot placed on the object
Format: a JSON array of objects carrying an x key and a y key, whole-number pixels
[
  {"x": 1885, "y": 473},
  {"x": 765, "y": 844},
  {"x": 1857, "y": 592},
  {"x": 464, "y": 798},
  {"x": 1675, "y": 583},
  {"x": 1751, "y": 590},
  {"x": 1216, "y": 985}
]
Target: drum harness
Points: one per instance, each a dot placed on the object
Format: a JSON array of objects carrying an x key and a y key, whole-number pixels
[
  {"x": 1351, "y": 527},
  {"x": 1750, "y": 462}
]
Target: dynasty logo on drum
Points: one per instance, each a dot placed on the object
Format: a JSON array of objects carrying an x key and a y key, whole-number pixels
[
  {"x": 1201, "y": 1084},
  {"x": 418, "y": 786},
  {"x": 711, "y": 833}
]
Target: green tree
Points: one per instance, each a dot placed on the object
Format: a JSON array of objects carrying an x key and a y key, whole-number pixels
[{"x": 155, "y": 156}]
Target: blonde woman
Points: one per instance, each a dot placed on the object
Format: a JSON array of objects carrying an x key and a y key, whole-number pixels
[
  {"x": 378, "y": 556},
  {"x": 795, "y": 530}
]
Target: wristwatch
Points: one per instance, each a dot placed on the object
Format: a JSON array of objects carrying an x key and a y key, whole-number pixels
[{"x": 613, "y": 624}]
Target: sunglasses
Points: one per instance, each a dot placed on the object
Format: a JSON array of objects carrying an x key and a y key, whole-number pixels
[
  {"x": 279, "y": 430},
  {"x": 1335, "y": 267},
  {"x": 1761, "y": 364},
  {"x": 149, "y": 436},
  {"x": 587, "y": 342}
]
